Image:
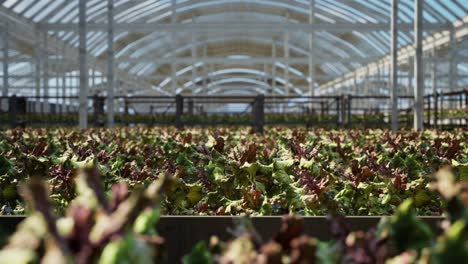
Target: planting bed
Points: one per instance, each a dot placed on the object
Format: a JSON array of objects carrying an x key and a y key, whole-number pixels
[
  {"x": 230, "y": 171},
  {"x": 107, "y": 190}
]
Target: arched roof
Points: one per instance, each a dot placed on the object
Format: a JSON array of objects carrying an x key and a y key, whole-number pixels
[{"x": 150, "y": 53}]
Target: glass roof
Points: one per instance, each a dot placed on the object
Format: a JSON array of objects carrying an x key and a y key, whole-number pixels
[{"x": 138, "y": 52}]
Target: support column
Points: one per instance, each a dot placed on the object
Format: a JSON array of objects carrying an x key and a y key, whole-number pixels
[
  {"x": 194, "y": 59},
  {"x": 6, "y": 48},
  {"x": 259, "y": 113},
  {"x": 84, "y": 79},
  {"x": 110, "y": 64},
  {"x": 453, "y": 82},
  {"x": 366, "y": 88},
  {"x": 64, "y": 91},
  {"x": 45, "y": 70},
  {"x": 434, "y": 87},
  {"x": 418, "y": 67},
  {"x": 394, "y": 65},
  {"x": 37, "y": 70},
  {"x": 265, "y": 78},
  {"x": 286, "y": 62},
  {"x": 311, "y": 48},
  {"x": 179, "y": 101},
  {"x": 205, "y": 69},
  {"x": 173, "y": 40},
  {"x": 273, "y": 66}
]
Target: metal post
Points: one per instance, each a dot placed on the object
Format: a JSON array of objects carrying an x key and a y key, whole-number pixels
[
  {"x": 173, "y": 77},
  {"x": 110, "y": 64},
  {"x": 338, "y": 111},
  {"x": 394, "y": 65},
  {"x": 179, "y": 100},
  {"x": 453, "y": 71},
  {"x": 194, "y": 56},
  {"x": 45, "y": 71},
  {"x": 434, "y": 88},
  {"x": 205, "y": 69},
  {"x": 6, "y": 47},
  {"x": 64, "y": 91},
  {"x": 190, "y": 107},
  {"x": 37, "y": 70},
  {"x": 409, "y": 89},
  {"x": 348, "y": 109},
  {"x": 286, "y": 60},
  {"x": 311, "y": 48},
  {"x": 259, "y": 113},
  {"x": 173, "y": 40},
  {"x": 418, "y": 67},
  {"x": 322, "y": 110},
  {"x": 83, "y": 104},
  {"x": 12, "y": 110},
  {"x": 96, "y": 110},
  {"x": 273, "y": 66}
]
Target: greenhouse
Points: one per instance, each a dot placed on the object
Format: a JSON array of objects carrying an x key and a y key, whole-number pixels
[{"x": 233, "y": 131}]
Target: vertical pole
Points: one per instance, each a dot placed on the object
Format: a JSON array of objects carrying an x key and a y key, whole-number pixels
[
  {"x": 194, "y": 60},
  {"x": 45, "y": 72},
  {"x": 6, "y": 47},
  {"x": 12, "y": 110},
  {"x": 394, "y": 65},
  {"x": 37, "y": 70},
  {"x": 190, "y": 107},
  {"x": 273, "y": 66},
  {"x": 205, "y": 69},
  {"x": 259, "y": 113},
  {"x": 179, "y": 110},
  {"x": 83, "y": 104},
  {"x": 265, "y": 77},
  {"x": 434, "y": 86},
  {"x": 338, "y": 111},
  {"x": 366, "y": 88},
  {"x": 64, "y": 90},
  {"x": 311, "y": 47},
  {"x": 418, "y": 67},
  {"x": 453, "y": 71},
  {"x": 286, "y": 59},
  {"x": 173, "y": 40},
  {"x": 349, "y": 100},
  {"x": 110, "y": 64}
]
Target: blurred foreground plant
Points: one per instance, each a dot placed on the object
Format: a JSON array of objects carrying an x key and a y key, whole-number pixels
[
  {"x": 94, "y": 230},
  {"x": 402, "y": 238}
]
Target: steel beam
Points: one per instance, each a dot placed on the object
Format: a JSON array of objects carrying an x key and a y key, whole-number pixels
[
  {"x": 110, "y": 64},
  {"x": 418, "y": 67},
  {"x": 439, "y": 40},
  {"x": 25, "y": 32},
  {"x": 83, "y": 63},
  {"x": 260, "y": 60},
  {"x": 394, "y": 64},
  {"x": 240, "y": 26}
]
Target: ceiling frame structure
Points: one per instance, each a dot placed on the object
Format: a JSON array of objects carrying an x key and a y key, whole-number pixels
[{"x": 166, "y": 47}]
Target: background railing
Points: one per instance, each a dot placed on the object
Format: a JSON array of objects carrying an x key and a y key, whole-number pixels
[{"x": 440, "y": 110}]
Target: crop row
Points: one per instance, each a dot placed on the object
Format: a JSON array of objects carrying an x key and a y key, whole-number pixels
[
  {"x": 119, "y": 227},
  {"x": 230, "y": 171}
]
